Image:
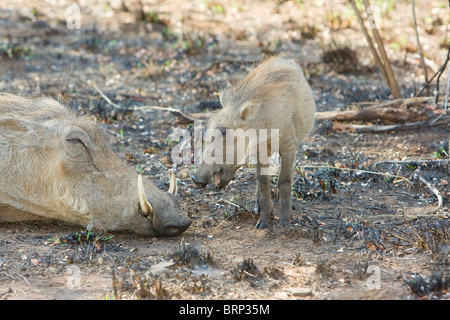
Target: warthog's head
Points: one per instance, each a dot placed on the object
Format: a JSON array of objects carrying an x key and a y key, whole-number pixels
[
  {"x": 227, "y": 137},
  {"x": 57, "y": 165},
  {"x": 214, "y": 160}
]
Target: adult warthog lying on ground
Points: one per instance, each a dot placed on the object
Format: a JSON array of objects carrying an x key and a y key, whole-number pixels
[
  {"x": 55, "y": 164},
  {"x": 273, "y": 98}
]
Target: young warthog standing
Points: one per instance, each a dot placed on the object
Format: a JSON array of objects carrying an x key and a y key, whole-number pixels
[
  {"x": 276, "y": 97},
  {"x": 54, "y": 164}
]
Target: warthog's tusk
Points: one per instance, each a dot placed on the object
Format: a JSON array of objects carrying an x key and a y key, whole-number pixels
[
  {"x": 173, "y": 188},
  {"x": 145, "y": 205}
]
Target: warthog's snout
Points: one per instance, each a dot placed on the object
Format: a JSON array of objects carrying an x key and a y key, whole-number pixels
[
  {"x": 176, "y": 228},
  {"x": 168, "y": 220},
  {"x": 220, "y": 174},
  {"x": 199, "y": 182},
  {"x": 219, "y": 181}
]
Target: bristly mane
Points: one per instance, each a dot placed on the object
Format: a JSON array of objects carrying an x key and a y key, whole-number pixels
[
  {"x": 261, "y": 83},
  {"x": 41, "y": 110}
]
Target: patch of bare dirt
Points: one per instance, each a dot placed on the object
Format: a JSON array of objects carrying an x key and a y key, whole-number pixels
[{"x": 362, "y": 228}]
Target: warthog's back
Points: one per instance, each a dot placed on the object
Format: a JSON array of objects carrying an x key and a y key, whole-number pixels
[
  {"x": 52, "y": 114},
  {"x": 278, "y": 95},
  {"x": 39, "y": 109}
]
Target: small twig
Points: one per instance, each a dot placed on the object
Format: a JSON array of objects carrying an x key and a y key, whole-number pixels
[
  {"x": 237, "y": 206},
  {"x": 8, "y": 275},
  {"x": 249, "y": 274},
  {"x": 369, "y": 41},
  {"x": 105, "y": 97},
  {"x": 446, "y": 100},
  {"x": 415, "y": 162},
  {"x": 435, "y": 191},
  {"x": 183, "y": 117},
  {"x": 25, "y": 279},
  {"x": 398, "y": 237},
  {"x": 392, "y": 82},
  {"x": 365, "y": 171},
  {"x": 395, "y": 127},
  {"x": 438, "y": 74},
  {"x": 7, "y": 291},
  {"x": 448, "y": 90},
  {"x": 419, "y": 46},
  {"x": 175, "y": 112}
]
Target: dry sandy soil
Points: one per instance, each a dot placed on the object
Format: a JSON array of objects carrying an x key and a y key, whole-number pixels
[{"x": 361, "y": 229}]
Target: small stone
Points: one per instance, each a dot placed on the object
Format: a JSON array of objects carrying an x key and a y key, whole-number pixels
[
  {"x": 161, "y": 268},
  {"x": 281, "y": 295},
  {"x": 300, "y": 292}
]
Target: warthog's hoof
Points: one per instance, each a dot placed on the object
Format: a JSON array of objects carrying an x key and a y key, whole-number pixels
[
  {"x": 261, "y": 224},
  {"x": 284, "y": 224}
]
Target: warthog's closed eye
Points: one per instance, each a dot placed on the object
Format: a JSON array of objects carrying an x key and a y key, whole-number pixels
[
  {"x": 75, "y": 148},
  {"x": 76, "y": 142}
]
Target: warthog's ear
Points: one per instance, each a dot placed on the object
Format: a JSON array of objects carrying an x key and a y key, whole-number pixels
[
  {"x": 76, "y": 141},
  {"x": 20, "y": 131},
  {"x": 249, "y": 110}
]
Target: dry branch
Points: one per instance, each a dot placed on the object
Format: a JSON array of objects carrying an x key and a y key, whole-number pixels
[
  {"x": 435, "y": 191},
  {"x": 380, "y": 57},
  {"x": 104, "y": 96},
  {"x": 394, "y": 127},
  {"x": 419, "y": 46},
  {"x": 393, "y": 85},
  {"x": 415, "y": 162},
  {"x": 399, "y": 110},
  {"x": 380, "y": 113},
  {"x": 182, "y": 117},
  {"x": 438, "y": 75},
  {"x": 385, "y": 174}
]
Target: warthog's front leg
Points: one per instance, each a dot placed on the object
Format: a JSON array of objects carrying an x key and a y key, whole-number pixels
[
  {"x": 263, "y": 197},
  {"x": 284, "y": 187}
]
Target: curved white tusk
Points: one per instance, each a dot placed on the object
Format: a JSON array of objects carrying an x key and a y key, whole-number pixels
[
  {"x": 173, "y": 188},
  {"x": 145, "y": 205}
]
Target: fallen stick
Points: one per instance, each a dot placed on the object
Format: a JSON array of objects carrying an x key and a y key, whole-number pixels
[
  {"x": 237, "y": 206},
  {"x": 104, "y": 96},
  {"x": 183, "y": 117},
  {"x": 386, "y": 174},
  {"x": 415, "y": 162},
  {"x": 370, "y": 114},
  {"x": 435, "y": 191},
  {"x": 402, "y": 102},
  {"x": 395, "y": 127}
]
